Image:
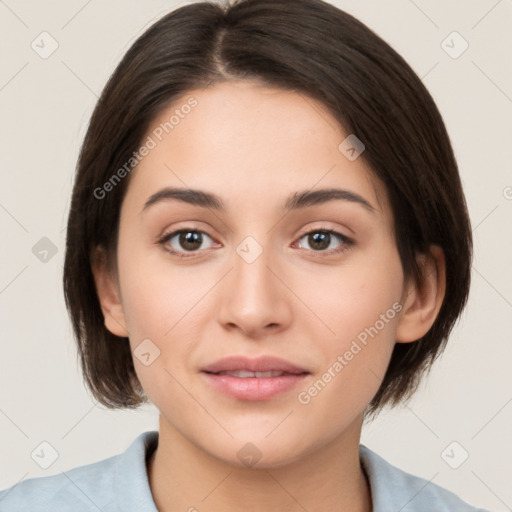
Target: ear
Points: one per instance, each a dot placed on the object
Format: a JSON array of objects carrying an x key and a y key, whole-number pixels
[
  {"x": 423, "y": 300},
  {"x": 108, "y": 293}
]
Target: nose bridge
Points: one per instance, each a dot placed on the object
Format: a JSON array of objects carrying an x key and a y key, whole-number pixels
[{"x": 252, "y": 276}]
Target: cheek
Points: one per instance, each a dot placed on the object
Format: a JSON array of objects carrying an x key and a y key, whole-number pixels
[
  {"x": 156, "y": 294},
  {"x": 355, "y": 363},
  {"x": 360, "y": 308},
  {"x": 343, "y": 301},
  {"x": 163, "y": 303}
]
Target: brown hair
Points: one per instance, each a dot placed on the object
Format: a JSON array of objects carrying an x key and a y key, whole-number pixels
[{"x": 308, "y": 46}]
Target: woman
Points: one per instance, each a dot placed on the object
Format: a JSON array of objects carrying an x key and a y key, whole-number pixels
[{"x": 268, "y": 240}]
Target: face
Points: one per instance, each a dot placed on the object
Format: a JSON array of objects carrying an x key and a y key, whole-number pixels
[{"x": 315, "y": 282}]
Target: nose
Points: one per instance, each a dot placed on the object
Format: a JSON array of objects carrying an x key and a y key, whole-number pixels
[{"x": 254, "y": 295}]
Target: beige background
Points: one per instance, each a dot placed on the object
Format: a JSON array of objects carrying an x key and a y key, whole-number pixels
[{"x": 45, "y": 105}]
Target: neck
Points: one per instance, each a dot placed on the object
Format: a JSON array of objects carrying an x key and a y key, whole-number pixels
[{"x": 183, "y": 477}]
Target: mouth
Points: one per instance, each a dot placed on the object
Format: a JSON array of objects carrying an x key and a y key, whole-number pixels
[{"x": 253, "y": 379}]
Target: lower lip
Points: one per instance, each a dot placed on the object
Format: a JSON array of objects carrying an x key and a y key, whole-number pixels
[{"x": 254, "y": 388}]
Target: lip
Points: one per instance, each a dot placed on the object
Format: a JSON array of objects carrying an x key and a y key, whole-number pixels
[
  {"x": 259, "y": 364},
  {"x": 254, "y": 388}
]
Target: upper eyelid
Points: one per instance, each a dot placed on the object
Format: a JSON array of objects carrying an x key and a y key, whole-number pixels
[
  {"x": 323, "y": 228},
  {"x": 307, "y": 231}
]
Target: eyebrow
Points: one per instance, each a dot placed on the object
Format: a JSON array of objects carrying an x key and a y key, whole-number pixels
[{"x": 296, "y": 201}]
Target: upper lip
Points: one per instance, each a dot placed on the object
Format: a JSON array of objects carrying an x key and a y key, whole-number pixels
[{"x": 259, "y": 364}]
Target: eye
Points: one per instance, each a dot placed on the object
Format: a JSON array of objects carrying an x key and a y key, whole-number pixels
[
  {"x": 184, "y": 240},
  {"x": 321, "y": 239},
  {"x": 190, "y": 240}
]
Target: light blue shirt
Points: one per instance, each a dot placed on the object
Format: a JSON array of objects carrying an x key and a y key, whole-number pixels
[{"x": 120, "y": 484}]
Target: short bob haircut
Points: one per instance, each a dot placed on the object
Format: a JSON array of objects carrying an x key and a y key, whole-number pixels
[{"x": 306, "y": 46}]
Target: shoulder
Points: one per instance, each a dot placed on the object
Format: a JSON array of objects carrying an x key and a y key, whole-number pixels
[
  {"x": 86, "y": 487},
  {"x": 104, "y": 485},
  {"x": 394, "y": 489}
]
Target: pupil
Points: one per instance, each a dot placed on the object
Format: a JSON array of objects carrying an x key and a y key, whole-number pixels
[
  {"x": 190, "y": 240},
  {"x": 322, "y": 238}
]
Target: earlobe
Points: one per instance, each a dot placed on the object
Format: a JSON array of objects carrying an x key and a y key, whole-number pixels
[
  {"x": 423, "y": 300},
  {"x": 108, "y": 294}
]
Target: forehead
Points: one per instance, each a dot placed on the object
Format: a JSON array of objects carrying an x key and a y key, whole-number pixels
[{"x": 247, "y": 140}]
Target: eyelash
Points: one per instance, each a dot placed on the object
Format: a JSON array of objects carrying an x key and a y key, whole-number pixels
[{"x": 346, "y": 241}]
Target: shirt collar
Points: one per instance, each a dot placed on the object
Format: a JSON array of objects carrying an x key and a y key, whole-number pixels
[{"x": 131, "y": 476}]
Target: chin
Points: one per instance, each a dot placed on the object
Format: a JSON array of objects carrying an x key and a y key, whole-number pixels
[{"x": 256, "y": 451}]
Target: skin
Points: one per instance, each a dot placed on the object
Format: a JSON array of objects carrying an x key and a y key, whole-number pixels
[{"x": 254, "y": 146}]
